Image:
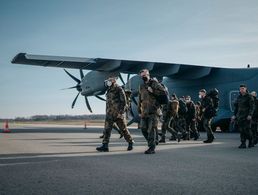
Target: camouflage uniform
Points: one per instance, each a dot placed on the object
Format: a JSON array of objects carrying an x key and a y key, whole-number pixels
[
  {"x": 148, "y": 109},
  {"x": 181, "y": 119},
  {"x": 255, "y": 121},
  {"x": 176, "y": 123},
  {"x": 191, "y": 120},
  {"x": 244, "y": 106},
  {"x": 206, "y": 105},
  {"x": 166, "y": 112},
  {"x": 115, "y": 106}
]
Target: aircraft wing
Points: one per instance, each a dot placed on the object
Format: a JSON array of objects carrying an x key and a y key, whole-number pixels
[{"x": 174, "y": 70}]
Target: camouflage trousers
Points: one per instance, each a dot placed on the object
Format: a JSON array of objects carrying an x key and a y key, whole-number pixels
[
  {"x": 121, "y": 123},
  {"x": 206, "y": 122},
  {"x": 244, "y": 127},
  {"x": 165, "y": 128},
  {"x": 177, "y": 125},
  {"x": 191, "y": 127},
  {"x": 149, "y": 126}
]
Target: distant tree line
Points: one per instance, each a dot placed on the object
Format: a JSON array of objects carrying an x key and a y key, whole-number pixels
[{"x": 58, "y": 117}]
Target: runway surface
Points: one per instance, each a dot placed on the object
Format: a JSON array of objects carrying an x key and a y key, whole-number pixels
[{"x": 63, "y": 160}]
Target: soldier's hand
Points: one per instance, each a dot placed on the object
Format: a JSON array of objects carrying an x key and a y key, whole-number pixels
[
  {"x": 150, "y": 89},
  {"x": 193, "y": 119},
  {"x": 249, "y": 117},
  {"x": 233, "y": 118}
]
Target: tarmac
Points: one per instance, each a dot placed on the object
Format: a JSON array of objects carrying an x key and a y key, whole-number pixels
[{"x": 57, "y": 159}]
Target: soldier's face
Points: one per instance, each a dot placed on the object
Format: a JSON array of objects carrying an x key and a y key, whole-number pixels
[
  {"x": 242, "y": 90},
  {"x": 201, "y": 94},
  {"x": 145, "y": 76}
]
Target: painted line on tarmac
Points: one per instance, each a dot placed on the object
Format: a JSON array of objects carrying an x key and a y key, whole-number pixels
[{"x": 26, "y": 163}]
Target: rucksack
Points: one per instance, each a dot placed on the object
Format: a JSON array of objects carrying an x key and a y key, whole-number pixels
[
  {"x": 163, "y": 98},
  {"x": 214, "y": 95}
]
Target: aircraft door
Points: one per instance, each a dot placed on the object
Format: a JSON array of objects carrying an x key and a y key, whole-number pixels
[{"x": 232, "y": 98}]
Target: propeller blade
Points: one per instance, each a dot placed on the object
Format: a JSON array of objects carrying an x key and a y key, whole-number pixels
[
  {"x": 128, "y": 77},
  {"x": 69, "y": 88},
  {"x": 75, "y": 100},
  {"x": 121, "y": 78},
  {"x": 134, "y": 101},
  {"x": 131, "y": 112},
  {"x": 81, "y": 73},
  {"x": 101, "y": 98},
  {"x": 73, "y": 77},
  {"x": 88, "y": 104},
  {"x": 130, "y": 122}
]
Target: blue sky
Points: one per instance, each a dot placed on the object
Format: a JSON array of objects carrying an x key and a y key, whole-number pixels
[{"x": 206, "y": 32}]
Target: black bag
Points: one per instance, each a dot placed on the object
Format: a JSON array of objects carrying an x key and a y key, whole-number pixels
[
  {"x": 163, "y": 98},
  {"x": 214, "y": 95}
]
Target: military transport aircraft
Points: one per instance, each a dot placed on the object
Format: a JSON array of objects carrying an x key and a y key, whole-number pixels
[{"x": 182, "y": 79}]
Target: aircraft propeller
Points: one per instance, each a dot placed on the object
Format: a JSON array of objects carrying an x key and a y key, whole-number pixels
[{"x": 79, "y": 89}]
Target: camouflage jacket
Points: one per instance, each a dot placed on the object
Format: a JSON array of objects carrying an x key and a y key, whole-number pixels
[
  {"x": 148, "y": 104},
  {"x": 191, "y": 111},
  {"x": 206, "y": 106},
  {"x": 115, "y": 101},
  {"x": 244, "y": 106},
  {"x": 166, "y": 110}
]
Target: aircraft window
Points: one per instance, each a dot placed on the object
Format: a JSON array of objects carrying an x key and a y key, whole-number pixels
[{"x": 232, "y": 99}]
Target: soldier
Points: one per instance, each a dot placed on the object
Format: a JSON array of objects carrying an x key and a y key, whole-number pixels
[
  {"x": 115, "y": 111},
  {"x": 191, "y": 118},
  {"x": 182, "y": 117},
  {"x": 167, "y": 112},
  {"x": 176, "y": 125},
  {"x": 255, "y": 118},
  {"x": 206, "y": 106},
  {"x": 148, "y": 108},
  {"x": 244, "y": 108},
  {"x": 198, "y": 116}
]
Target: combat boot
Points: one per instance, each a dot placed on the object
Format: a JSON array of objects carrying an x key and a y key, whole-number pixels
[
  {"x": 162, "y": 140},
  {"x": 242, "y": 145},
  {"x": 150, "y": 151},
  {"x": 250, "y": 144},
  {"x": 130, "y": 146},
  {"x": 103, "y": 148},
  {"x": 209, "y": 140}
]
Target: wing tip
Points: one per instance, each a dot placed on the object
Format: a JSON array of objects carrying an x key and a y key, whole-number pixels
[{"x": 17, "y": 58}]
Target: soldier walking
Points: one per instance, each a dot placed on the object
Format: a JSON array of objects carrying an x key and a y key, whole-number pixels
[
  {"x": 244, "y": 108},
  {"x": 206, "y": 107},
  {"x": 191, "y": 118},
  {"x": 115, "y": 113},
  {"x": 148, "y": 108}
]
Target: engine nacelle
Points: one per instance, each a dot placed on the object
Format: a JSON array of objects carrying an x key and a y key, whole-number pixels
[
  {"x": 93, "y": 82},
  {"x": 133, "y": 84}
]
